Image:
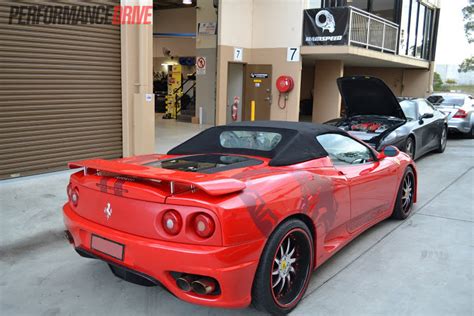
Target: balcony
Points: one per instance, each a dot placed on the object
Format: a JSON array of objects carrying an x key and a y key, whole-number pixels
[
  {"x": 372, "y": 32},
  {"x": 354, "y": 36}
]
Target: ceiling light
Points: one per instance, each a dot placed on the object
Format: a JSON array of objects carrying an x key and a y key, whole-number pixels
[{"x": 187, "y": 1}]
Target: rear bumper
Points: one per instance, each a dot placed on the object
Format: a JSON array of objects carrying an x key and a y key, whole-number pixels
[
  {"x": 233, "y": 267},
  {"x": 459, "y": 125}
]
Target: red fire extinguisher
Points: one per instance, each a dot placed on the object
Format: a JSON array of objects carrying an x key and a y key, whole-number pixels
[
  {"x": 284, "y": 84},
  {"x": 235, "y": 108}
]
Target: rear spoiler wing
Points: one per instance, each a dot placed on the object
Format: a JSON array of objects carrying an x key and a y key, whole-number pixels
[{"x": 210, "y": 183}]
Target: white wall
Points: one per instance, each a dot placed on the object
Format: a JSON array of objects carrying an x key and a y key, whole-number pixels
[
  {"x": 235, "y": 23},
  {"x": 277, "y": 23}
]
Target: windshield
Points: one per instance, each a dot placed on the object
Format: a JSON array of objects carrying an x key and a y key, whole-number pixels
[
  {"x": 446, "y": 100},
  {"x": 409, "y": 109},
  {"x": 257, "y": 140}
]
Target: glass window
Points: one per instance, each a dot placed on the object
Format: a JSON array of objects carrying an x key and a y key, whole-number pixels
[
  {"x": 424, "y": 108},
  {"x": 412, "y": 28},
  {"x": 360, "y": 4},
  {"x": 384, "y": 9},
  {"x": 333, "y": 3},
  {"x": 421, "y": 30},
  {"x": 257, "y": 140},
  {"x": 409, "y": 109},
  {"x": 405, "y": 19},
  {"x": 314, "y": 4},
  {"x": 446, "y": 100},
  {"x": 344, "y": 150},
  {"x": 427, "y": 33}
]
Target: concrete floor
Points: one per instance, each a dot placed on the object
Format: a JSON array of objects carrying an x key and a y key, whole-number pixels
[{"x": 422, "y": 266}]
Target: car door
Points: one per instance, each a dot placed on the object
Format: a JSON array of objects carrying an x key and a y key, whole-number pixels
[
  {"x": 429, "y": 130},
  {"x": 372, "y": 183}
]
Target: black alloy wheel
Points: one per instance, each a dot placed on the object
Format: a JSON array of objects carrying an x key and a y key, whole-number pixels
[
  {"x": 443, "y": 140},
  {"x": 405, "y": 196},
  {"x": 410, "y": 147},
  {"x": 284, "y": 269}
]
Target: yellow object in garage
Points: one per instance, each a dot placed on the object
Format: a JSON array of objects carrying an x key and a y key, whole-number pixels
[{"x": 175, "y": 91}]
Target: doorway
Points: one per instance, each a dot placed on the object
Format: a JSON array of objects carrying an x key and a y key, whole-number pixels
[
  {"x": 235, "y": 91},
  {"x": 258, "y": 88}
]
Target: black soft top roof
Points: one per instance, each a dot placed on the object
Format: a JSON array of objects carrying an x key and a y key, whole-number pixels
[{"x": 298, "y": 142}]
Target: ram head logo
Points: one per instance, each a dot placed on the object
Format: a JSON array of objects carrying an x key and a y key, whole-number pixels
[{"x": 325, "y": 21}]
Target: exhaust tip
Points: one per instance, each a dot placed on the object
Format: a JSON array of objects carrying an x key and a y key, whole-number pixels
[
  {"x": 203, "y": 286},
  {"x": 184, "y": 283}
]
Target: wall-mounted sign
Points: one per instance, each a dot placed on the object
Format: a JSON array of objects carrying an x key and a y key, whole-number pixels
[
  {"x": 258, "y": 75},
  {"x": 329, "y": 26},
  {"x": 207, "y": 28},
  {"x": 201, "y": 65},
  {"x": 238, "y": 54},
  {"x": 293, "y": 54}
]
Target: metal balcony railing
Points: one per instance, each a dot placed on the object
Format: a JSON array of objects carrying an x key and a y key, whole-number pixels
[{"x": 370, "y": 31}]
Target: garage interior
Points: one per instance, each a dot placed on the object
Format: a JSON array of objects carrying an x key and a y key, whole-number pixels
[{"x": 184, "y": 31}]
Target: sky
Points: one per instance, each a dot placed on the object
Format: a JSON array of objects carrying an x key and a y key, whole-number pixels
[{"x": 452, "y": 45}]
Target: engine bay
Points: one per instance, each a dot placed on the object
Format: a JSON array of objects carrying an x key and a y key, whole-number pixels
[{"x": 366, "y": 125}]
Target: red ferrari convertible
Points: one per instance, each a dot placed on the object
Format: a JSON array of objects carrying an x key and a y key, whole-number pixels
[{"x": 238, "y": 214}]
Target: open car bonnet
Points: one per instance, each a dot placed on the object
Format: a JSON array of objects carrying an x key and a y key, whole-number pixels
[{"x": 363, "y": 95}]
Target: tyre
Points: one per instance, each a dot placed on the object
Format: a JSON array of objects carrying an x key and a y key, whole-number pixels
[
  {"x": 410, "y": 147},
  {"x": 471, "y": 133},
  {"x": 285, "y": 268},
  {"x": 443, "y": 140},
  {"x": 404, "y": 203}
]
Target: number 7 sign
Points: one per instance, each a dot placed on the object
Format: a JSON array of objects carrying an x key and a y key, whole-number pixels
[
  {"x": 293, "y": 54},
  {"x": 238, "y": 54}
]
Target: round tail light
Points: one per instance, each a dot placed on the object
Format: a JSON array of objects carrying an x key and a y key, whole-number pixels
[
  {"x": 204, "y": 225},
  {"x": 75, "y": 197},
  {"x": 172, "y": 222}
]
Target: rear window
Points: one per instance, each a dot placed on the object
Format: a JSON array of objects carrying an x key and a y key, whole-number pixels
[
  {"x": 205, "y": 163},
  {"x": 256, "y": 140},
  {"x": 446, "y": 100}
]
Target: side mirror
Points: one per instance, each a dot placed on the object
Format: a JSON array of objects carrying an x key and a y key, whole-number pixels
[
  {"x": 426, "y": 115},
  {"x": 389, "y": 151}
]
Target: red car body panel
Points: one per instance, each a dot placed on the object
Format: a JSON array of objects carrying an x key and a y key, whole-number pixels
[{"x": 246, "y": 204}]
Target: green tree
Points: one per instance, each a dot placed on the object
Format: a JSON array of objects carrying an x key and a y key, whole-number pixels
[
  {"x": 468, "y": 16},
  {"x": 437, "y": 82},
  {"x": 467, "y": 65}
]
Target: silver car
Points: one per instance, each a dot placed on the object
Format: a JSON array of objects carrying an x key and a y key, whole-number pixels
[{"x": 460, "y": 110}]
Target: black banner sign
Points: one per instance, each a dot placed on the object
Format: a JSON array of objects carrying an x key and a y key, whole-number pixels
[
  {"x": 257, "y": 75},
  {"x": 329, "y": 26}
]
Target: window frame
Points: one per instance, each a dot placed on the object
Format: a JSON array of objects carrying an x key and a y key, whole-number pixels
[
  {"x": 419, "y": 102},
  {"x": 372, "y": 151}
]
